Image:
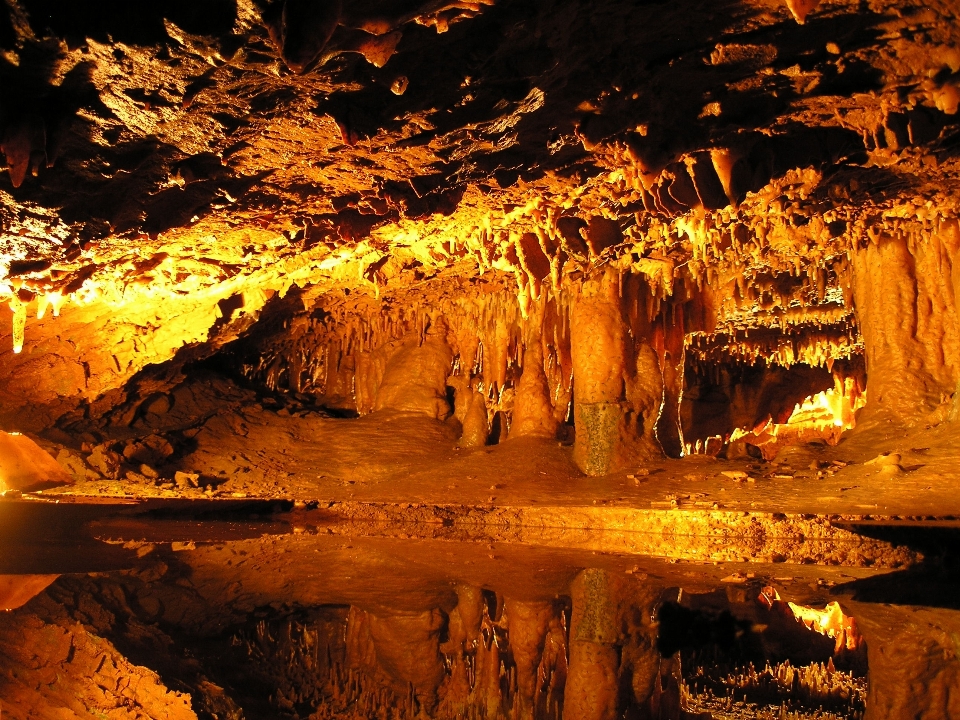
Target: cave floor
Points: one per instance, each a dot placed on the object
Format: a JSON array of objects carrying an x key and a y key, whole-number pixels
[
  {"x": 390, "y": 474},
  {"x": 410, "y": 462}
]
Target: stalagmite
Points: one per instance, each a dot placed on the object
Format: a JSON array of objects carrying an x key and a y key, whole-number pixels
[
  {"x": 415, "y": 378},
  {"x": 533, "y": 413},
  {"x": 475, "y": 422},
  {"x": 670, "y": 342}
]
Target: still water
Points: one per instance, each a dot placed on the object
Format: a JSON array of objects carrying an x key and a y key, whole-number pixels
[{"x": 255, "y": 610}]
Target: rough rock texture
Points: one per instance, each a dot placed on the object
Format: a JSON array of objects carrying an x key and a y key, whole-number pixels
[
  {"x": 16, "y": 590},
  {"x": 408, "y": 649},
  {"x": 614, "y": 660},
  {"x": 913, "y": 658},
  {"x": 59, "y": 668},
  {"x": 905, "y": 289},
  {"x": 340, "y": 250},
  {"x": 169, "y": 173},
  {"x": 533, "y": 412},
  {"x": 597, "y": 347},
  {"x": 415, "y": 378}
]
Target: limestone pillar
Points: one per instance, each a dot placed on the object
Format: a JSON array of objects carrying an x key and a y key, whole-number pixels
[
  {"x": 614, "y": 661},
  {"x": 597, "y": 348},
  {"x": 904, "y": 293},
  {"x": 470, "y": 409}
]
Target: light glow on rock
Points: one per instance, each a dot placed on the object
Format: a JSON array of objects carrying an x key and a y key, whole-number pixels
[{"x": 832, "y": 622}]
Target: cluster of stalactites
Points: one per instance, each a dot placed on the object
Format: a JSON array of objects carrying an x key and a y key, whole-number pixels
[
  {"x": 20, "y": 302},
  {"x": 486, "y": 331},
  {"x": 542, "y": 245},
  {"x": 332, "y": 350},
  {"x": 814, "y": 345}
]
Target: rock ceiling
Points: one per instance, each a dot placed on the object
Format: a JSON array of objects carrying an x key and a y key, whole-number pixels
[{"x": 177, "y": 163}]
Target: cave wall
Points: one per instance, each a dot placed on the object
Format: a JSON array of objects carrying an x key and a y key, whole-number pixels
[
  {"x": 583, "y": 352},
  {"x": 904, "y": 287}
]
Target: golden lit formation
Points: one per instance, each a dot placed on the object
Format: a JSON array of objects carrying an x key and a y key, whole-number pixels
[{"x": 495, "y": 359}]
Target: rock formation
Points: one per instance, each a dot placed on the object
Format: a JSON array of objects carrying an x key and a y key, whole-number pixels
[{"x": 542, "y": 263}]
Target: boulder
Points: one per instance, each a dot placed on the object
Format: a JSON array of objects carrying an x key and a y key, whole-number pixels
[{"x": 25, "y": 466}]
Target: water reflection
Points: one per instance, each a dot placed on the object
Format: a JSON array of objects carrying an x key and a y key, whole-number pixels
[{"x": 257, "y": 615}]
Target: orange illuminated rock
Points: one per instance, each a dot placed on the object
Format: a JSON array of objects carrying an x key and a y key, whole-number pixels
[
  {"x": 532, "y": 411},
  {"x": 24, "y": 466},
  {"x": 597, "y": 344},
  {"x": 415, "y": 378},
  {"x": 407, "y": 648},
  {"x": 17, "y": 590},
  {"x": 912, "y": 659},
  {"x": 904, "y": 290},
  {"x": 801, "y": 8},
  {"x": 592, "y": 685},
  {"x": 528, "y": 625},
  {"x": 476, "y": 425}
]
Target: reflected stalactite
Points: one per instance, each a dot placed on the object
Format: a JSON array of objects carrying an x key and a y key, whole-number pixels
[{"x": 464, "y": 663}]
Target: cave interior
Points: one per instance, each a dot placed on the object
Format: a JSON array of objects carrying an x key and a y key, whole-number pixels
[{"x": 483, "y": 359}]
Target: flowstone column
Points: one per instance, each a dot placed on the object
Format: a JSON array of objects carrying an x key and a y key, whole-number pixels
[
  {"x": 592, "y": 691},
  {"x": 904, "y": 290},
  {"x": 618, "y": 385},
  {"x": 597, "y": 348},
  {"x": 913, "y": 656},
  {"x": 670, "y": 337}
]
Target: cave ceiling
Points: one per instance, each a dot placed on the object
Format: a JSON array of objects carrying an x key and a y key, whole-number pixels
[{"x": 223, "y": 149}]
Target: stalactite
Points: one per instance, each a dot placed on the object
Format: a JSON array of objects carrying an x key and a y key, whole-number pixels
[{"x": 19, "y": 309}]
